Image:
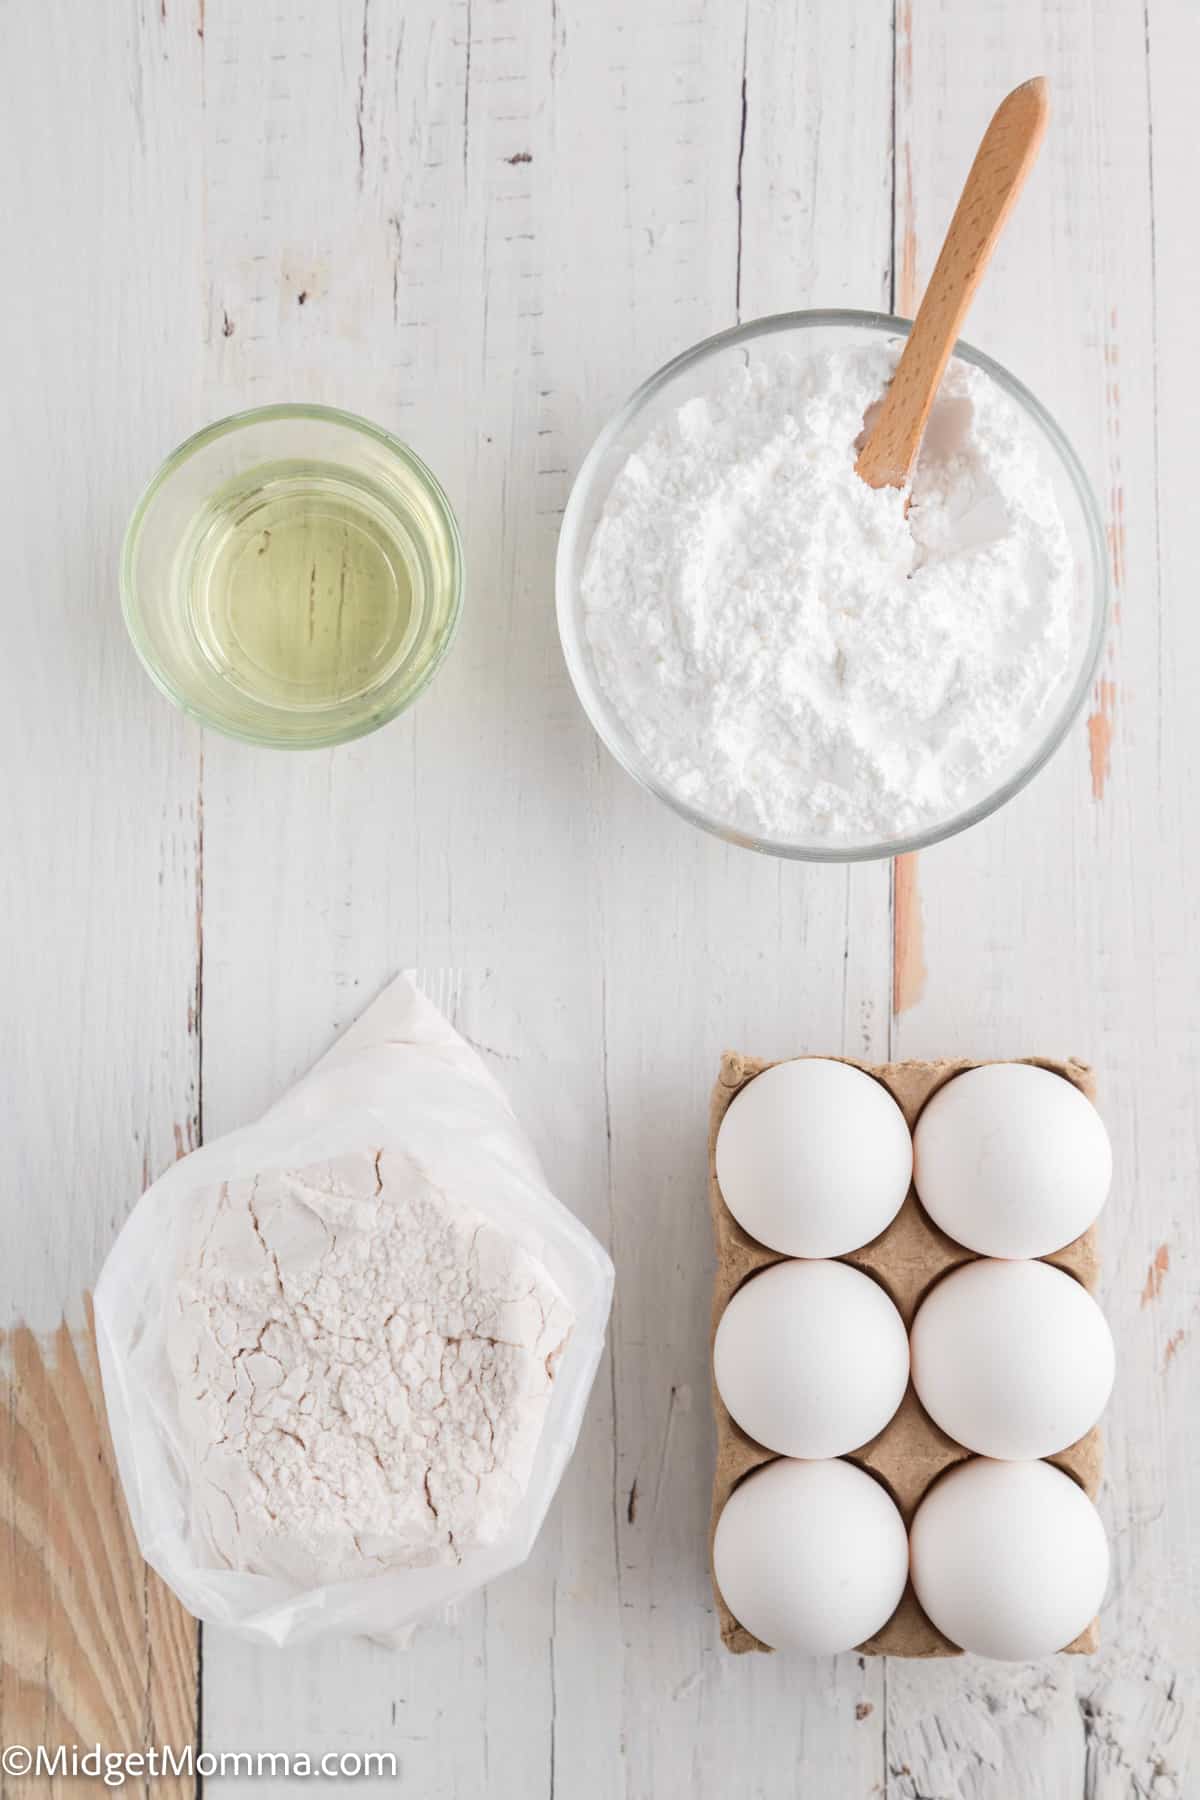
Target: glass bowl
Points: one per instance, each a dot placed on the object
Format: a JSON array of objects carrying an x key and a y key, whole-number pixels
[
  {"x": 698, "y": 372},
  {"x": 292, "y": 576}
]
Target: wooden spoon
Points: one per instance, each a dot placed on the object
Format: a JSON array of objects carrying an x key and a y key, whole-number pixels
[{"x": 1003, "y": 160}]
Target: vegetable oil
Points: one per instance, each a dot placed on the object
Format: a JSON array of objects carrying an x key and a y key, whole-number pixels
[{"x": 297, "y": 584}]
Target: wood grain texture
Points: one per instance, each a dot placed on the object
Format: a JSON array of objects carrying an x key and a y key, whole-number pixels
[
  {"x": 93, "y": 1649},
  {"x": 483, "y": 224}
]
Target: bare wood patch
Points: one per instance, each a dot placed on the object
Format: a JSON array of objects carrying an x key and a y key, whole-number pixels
[
  {"x": 1156, "y": 1274},
  {"x": 1100, "y": 735},
  {"x": 908, "y": 935},
  {"x": 93, "y": 1647}
]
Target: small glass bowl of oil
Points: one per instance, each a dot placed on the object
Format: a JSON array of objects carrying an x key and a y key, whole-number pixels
[{"x": 292, "y": 576}]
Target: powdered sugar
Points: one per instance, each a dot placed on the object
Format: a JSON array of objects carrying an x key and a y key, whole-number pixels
[
  {"x": 793, "y": 655},
  {"x": 364, "y": 1367}
]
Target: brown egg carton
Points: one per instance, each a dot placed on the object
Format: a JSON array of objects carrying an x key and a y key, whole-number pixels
[{"x": 906, "y": 1259}]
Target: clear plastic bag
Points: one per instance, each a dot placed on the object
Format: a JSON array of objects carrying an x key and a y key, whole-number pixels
[{"x": 401, "y": 1079}]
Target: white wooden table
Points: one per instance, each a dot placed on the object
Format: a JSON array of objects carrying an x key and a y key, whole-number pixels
[{"x": 481, "y": 223}]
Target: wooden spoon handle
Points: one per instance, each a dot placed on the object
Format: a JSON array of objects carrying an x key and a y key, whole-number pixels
[{"x": 1003, "y": 160}]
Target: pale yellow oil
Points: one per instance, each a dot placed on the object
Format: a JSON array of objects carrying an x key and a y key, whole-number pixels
[{"x": 299, "y": 586}]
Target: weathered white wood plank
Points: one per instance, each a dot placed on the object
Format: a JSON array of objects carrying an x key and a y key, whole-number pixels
[
  {"x": 706, "y": 948},
  {"x": 1059, "y": 924},
  {"x": 100, "y": 877},
  {"x": 100, "y": 870}
]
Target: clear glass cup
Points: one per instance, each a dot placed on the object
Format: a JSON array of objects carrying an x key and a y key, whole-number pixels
[
  {"x": 292, "y": 576},
  {"x": 706, "y": 367}
]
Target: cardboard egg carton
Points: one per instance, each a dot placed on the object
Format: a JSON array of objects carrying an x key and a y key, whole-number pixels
[{"x": 906, "y": 1259}]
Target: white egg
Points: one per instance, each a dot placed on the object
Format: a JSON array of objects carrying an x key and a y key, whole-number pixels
[
  {"x": 811, "y": 1358},
  {"x": 814, "y": 1158},
  {"x": 1014, "y": 1359},
  {"x": 810, "y": 1556},
  {"x": 1009, "y": 1559},
  {"x": 1012, "y": 1160}
]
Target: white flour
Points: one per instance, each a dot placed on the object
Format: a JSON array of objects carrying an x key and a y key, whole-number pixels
[
  {"x": 363, "y": 1368},
  {"x": 792, "y": 654}
]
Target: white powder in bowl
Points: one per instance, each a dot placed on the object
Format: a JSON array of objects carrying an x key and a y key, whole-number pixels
[
  {"x": 363, "y": 1367},
  {"x": 786, "y": 648}
]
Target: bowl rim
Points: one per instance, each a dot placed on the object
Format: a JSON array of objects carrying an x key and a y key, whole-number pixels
[
  {"x": 570, "y": 614},
  {"x": 224, "y": 427}
]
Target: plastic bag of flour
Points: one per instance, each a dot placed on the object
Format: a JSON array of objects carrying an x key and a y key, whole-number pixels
[{"x": 347, "y": 1349}]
